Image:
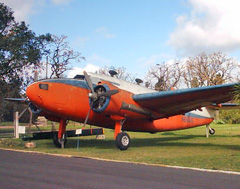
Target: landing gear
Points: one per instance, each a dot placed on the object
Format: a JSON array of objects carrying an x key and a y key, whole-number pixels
[
  {"x": 59, "y": 143},
  {"x": 211, "y": 131},
  {"x": 60, "y": 139},
  {"x": 123, "y": 141}
]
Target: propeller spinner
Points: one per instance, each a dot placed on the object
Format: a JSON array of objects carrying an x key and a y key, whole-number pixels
[
  {"x": 97, "y": 96},
  {"x": 93, "y": 95}
]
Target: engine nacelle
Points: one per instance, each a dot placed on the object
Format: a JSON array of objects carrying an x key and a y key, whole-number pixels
[
  {"x": 120, "y": 104},
  {"x": 35, "y": 109},
  {"x": 106, "y": 104},
  {"x": 39, "y": 112}
]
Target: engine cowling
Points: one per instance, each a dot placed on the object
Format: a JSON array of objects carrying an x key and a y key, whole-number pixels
[
  {"x": 103, "y": 103},
  {"x": 35, "y": 109},
  {"x": 39, "y": 112},
  {"x": 120, "y": 104}
]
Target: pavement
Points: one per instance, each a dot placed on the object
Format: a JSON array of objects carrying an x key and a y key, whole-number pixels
[{"x": 35, "y": 170}]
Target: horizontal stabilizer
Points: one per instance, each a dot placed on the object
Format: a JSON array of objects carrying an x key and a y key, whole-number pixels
[{"x": 225, "y": 106}]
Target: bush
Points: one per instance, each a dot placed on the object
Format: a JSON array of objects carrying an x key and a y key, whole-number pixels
[{"x": 230, "y": 116}]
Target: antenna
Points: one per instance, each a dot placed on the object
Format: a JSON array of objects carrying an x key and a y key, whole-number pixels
[
  {"x": 112, "y": 73},
  {"x": 138, "y": 81}
]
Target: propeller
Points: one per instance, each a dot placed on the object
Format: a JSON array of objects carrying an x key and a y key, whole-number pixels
[
  {"x": 95, "y": 96},
  {"x": 34, "y": 109},
  {"x": 89, "y": 81},
  {"x": 108, "y": 93}
]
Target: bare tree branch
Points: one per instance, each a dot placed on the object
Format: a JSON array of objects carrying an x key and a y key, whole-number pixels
[
  {"x": 207, "y": 70},
  {"x": 61, "y": 56},
  {"x": 121, "y": 73},
  {"x": 164, "y": 76}
]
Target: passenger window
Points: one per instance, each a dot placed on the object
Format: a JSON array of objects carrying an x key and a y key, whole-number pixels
[{"x": 43, "y": 86}]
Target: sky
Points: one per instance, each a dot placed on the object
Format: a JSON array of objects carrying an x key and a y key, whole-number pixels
[{"x": 135, "y": 34}]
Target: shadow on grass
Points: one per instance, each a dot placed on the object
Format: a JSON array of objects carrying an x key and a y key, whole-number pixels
[
  {"x": 169, "y": 133},
  {"x": 175, "y": 141},
  {"x": 170, "y": 143},
  {"x": 110, "y": 143}
]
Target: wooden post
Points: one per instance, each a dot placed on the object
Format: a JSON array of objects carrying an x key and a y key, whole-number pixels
[
  {"x": 16, "y": 124},
  {"x": 53, "y": 126},
  {"x": 30, "y": 119}
]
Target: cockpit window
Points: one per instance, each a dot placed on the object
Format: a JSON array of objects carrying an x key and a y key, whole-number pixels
[
  {"x": 43, "y": 86},
  {"x": 80, "y": 77}
]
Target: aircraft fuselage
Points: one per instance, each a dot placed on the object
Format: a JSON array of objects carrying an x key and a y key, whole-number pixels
[{"x": 68, "y": 99}]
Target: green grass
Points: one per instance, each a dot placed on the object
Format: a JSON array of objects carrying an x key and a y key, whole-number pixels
[
  {"x": 188, "y": 148},
  {"x": 6, "y": 124}
]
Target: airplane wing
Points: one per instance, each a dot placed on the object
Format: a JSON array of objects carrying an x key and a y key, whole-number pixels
[
  {"x": 20, "y": 100},
  {"x": 170, "y": 103}
]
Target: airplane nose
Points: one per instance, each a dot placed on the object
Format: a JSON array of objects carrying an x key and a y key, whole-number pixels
[{"x": 33, "y": 93}]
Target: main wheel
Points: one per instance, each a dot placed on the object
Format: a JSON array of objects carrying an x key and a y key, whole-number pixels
[
  {"x": 211, "y": 131},
  {"x": 57, "y": 142},
  {"x": 123, "y": 141}
]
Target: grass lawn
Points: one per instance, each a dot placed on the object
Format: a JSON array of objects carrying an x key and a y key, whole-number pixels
[{"x": 188, "y": 148}]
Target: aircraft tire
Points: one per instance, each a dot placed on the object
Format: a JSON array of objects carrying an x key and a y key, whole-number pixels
[
  {"x": 56, "y": 141},
  {"x": 123, "y": 141},
  {"x": 211, "y": 131}
]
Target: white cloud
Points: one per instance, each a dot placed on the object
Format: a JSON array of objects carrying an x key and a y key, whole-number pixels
[
  {"x": 104, "y": 32},
  {"x": 78, "y": 70},
  {"x": 95, "y": 62},
  {"x": 61, "y": 2},
  {"x": 80, "y": 41},
  {"x": 98, "y": 60},
  {"x": 110, "y": 35},
  {"x": 23, "y": 8},
  {"x": 211, "y": 26},
  {"x": 153, "y": 60}
]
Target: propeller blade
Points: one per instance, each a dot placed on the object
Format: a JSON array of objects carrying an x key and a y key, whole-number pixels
[
  {"x": 21, "y": 100},
  {"x": 109, "y": 93},
  {"x": 86, "y": 119},
  {"x": 89, "y": 81},
  {"x": 23, "y": 111}
]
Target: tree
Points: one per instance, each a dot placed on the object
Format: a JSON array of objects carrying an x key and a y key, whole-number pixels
[
  {"x": 164, "y": 76},
  {"x": 121, "y": 73},
  {"x": 231, "y": 116},
  {"x": 61, "y": 55},
  {"x": 19, "y": 46},
  {"x": 213, "y": 69},
  {"x": 20, "y": 49},
  {"x": 207, "y": 70},
  {"x": 6, "y": 17}
]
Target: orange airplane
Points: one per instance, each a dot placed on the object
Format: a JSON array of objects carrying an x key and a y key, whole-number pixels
[{"x": 112, "y": 103}]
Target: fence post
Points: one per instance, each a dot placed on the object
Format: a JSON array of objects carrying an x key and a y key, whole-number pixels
[{"x": 16, "y": 124}]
